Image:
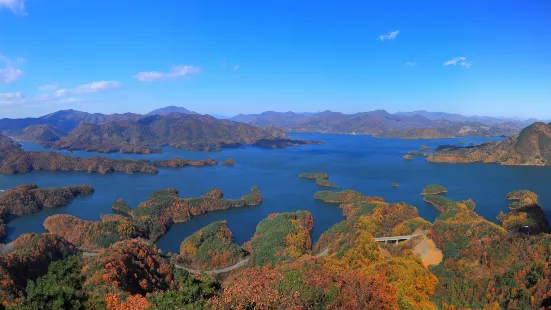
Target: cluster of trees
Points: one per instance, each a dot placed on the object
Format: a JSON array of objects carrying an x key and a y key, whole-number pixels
[
  {"x": 280, "y": 237},
  {"x": 27, "y": 259},
  {"x": 128, "y": 275}
]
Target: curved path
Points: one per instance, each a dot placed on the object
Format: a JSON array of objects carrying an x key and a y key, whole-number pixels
[
  {"x": 217, "y": 271},
  {"x": 239, "y": 264}
]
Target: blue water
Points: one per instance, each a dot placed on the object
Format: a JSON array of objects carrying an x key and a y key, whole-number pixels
[{"x": 362, "y": 163}]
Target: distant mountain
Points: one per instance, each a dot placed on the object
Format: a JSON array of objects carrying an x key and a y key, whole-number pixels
[
  {"x": 169, "y": 110},
  {"x": 244, "y": 118},
  {"x": 277, "y": 119},
  {"x": 532, "y": 146},
  {"x": 454, "y": 117},
  {"x": 194, "y": 132},
  {"x": 64, "y": 120}
]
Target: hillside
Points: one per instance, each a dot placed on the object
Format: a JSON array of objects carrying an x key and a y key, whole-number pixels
[
  {"x": 169, "y": 110},
  {"x": 193, "y": 132},
  {"x": 532, "y": 146},
  {"x": 41, "y": 134}
]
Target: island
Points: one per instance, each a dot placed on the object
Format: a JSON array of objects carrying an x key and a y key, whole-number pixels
[
  {"x": 322, "y": 178},
  {"x": 228, "y": 162},
  {"x": 434, "y": 189},
  {"x": 408, "y": 157}
]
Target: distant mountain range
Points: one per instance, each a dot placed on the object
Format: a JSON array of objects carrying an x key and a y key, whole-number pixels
[
  {"x": 133, "y": 133},
  {"x": 50, "y": 129},
  {"x": 380, "y": 123},
  {"x": 486, "y": 120}
]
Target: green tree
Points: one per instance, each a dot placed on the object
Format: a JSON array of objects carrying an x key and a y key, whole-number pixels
[{"x": 60, "y": 288}]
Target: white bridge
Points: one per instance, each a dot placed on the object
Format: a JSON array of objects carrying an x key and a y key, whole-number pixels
[{"x": 396, "y": 238}]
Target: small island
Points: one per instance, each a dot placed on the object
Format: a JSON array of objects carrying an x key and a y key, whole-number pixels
[
  {"x": 434, "y": 189},
  {"x": 228, "y": 162},
  {"x": 408, "y": 157},
  {"x": 322, "y": 179}
]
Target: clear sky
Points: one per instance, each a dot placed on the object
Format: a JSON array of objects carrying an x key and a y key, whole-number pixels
[{"x": 227, "y": 57}]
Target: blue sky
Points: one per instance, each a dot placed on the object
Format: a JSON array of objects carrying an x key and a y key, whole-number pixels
[{"x": 228, "y": 57}]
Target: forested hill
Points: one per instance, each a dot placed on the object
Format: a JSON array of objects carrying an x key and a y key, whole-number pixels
[
  {"x": 194, "y": 132},
  {"x": 532, "y": 146}
]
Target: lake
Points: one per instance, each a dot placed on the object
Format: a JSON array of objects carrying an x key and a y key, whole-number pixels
[{"x": 362, "y": 163}]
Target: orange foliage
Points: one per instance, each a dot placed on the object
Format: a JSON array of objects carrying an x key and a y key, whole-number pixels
[{"x": 132, "y": 302}]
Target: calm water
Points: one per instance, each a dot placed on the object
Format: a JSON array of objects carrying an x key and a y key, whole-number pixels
[{"x": 362, "y": 163}]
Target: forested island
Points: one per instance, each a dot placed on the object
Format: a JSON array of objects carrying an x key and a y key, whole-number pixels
[{"x": 15, "y": 160}]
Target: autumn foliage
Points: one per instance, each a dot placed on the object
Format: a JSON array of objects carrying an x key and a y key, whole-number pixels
[
  {"x": 131, "y": 267},
  {"x": 28, "y": 259}
]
